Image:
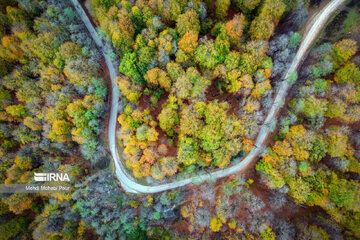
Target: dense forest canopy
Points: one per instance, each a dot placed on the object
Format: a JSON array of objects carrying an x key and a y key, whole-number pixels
[
  {"x": 197, "y": 79},
  {"x": 182, "y": 61},
  {"x": 316, "y": 149},
  {"x": 51, "y": 103}
]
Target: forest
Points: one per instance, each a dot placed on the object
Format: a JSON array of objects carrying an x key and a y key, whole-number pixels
[
  {"x": 52, "y": 104},
  {"x": 186, "y": 66},
  {"x": 197, "y": 80}
]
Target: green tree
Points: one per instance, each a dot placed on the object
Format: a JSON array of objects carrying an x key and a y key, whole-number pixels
[
  {"x": 222, "y": 7},
  {"x": 17, "y": 111},
  {"x": 262, "y": 27},
  {"x": 343, "y": 50},
  {"x": 128, "y": 67},
  {"x": 168, "y": 119},
  {"x": 188, "y": 21},
  {"x": 347, "y": 74}
]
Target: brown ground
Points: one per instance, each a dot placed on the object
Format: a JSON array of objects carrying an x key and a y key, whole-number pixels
[{"x": 213, "y": 93}]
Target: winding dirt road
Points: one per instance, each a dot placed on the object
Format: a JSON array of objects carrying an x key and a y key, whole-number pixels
[{"x": 129, "y": 184}]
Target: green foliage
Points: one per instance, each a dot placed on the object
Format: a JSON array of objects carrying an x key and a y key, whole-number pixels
[
  {"x": 295, "y": 40},
  {"x": 13, "y": 227},
  {"x": 262, "y": 27},
  {"x": 246, "y": 6},
  {"x": 347, "y": 74},
  {"x": 268, "y": 234},
  {"x": 292, "y": 78},
  {"x": 344, "y": 50},
  {"x": 168, "y": 119},
  {"x": 266, "y": 168},
  {"x": 222, "y": 7},
  {"x": 188, "y": 21},
  {"x": 345, "y": 193},
  {"x": 320, "y": 85},
  {"x": 312, "y": 106},
  {"x": 17, "y": 111},
  {"x": 128, "y": 67}
]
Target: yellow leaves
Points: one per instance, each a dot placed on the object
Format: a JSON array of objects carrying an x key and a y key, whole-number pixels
[
  {"x": 189, "y": 42},
  {"x": 216, "y": 224},
  {"x": 186, "y": 212},
  {"x": 344, "y": 49},
  {"x": 300, "y": 154},
  {"x": 268, "y": 158},
  {"x": 248, "y": 145},
  {"x": 296, "y": 132},
  {"x": 158, "y": 77},
  {"x": 234, "y": 29},
  {"x": 232, "y": 223},
  {"x": 149, "y": 201},
  {"x": 283, "y": 148},
  {"x": 246, "y": 81},
  {"x": 130, "y": 90},
  {"x": 268, "y": 72},
  {"x": 251, "y": 105},
  {"x": 33, "y": 123},
  {"x": 235, "y": 82},
  {"x": 261, "y": 88}
]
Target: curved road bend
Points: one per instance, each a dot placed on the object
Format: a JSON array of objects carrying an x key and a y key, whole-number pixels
[{"x": 128, "y": 182}]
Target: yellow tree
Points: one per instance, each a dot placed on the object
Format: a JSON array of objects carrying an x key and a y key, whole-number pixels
[{"x": 234, "y": 29}]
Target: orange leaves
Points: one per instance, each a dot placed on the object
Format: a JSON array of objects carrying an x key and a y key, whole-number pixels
[
  {"x": 158, "y": 77},
  {"x": 234, "y": 29},
  {"x": 283, "y": 148},
  {"x": 189, "y": 42}
]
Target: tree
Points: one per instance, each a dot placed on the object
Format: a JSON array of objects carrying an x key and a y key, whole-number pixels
[
  {"x": 216, "y": 224},
  {"x": 168, "y": 119},
  {"x": 188, "y": 21},
  {"x": 145, "y": 56},
  {"x": 187, "y": 45},
  {"x": 13, "y": 227},
  {"x": 234, "y": 29},
  {"x": 128, "y": 67},
  {"x": 268, "y": 234},
  {"x": 283, "y": 148},
  {"x": 187, "y": 150},
  {"x": 262, "y": 27},
  {"x": 19, "y": 202},
  {"x": 299, "y": 190},
  {"x": 337, "y": 143},
  {"x": 232, "y": 60},
  {"x": 347, "y": 74},
  {"x": 312, "y": 106},
  {"x": 222, "y": 7},
  {"x": 174, "y": 70},
  {"x": 60, "y": 131},
  {"x": 207, "y": 55},
  {"x": 336, "y": 108},
  {"x": 260, "y": 89},
  {"x": 158, "y": 77},
  {"x": 17, "y": 111},
  {"x": 33, "y": 123},
  {"x": 169, "y": 165},
  {"x": 102, "y": 3},
  {"x": 344, "y": 193},
  {"x": 130, "y": 90},
  {"x": 122, "y": 35},
  {"x": 157, "y": 173},
  {"x": 274, "y": 8},
  {"x": 343, "y": 50},
  {"x": 246, "y": 6}
]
